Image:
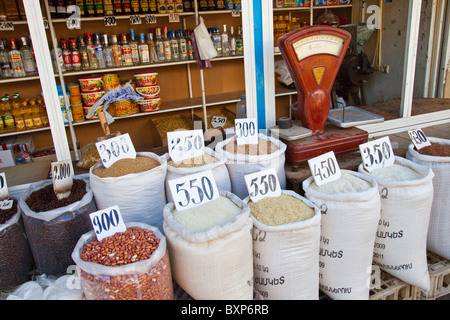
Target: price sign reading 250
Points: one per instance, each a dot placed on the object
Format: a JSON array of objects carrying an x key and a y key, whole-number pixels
[
  {"x": 107, "y": 222},
  {"x": 193, "y": 190},
  {"x": 377, "y": 154},
  {"x": 114, "y": 149},
  {"x": 185, "y": 144}
]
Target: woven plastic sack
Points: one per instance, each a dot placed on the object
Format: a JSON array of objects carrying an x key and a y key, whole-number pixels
[
  {"x": 16, "y": 259},
  {"x": 141, "y": 197},
  {"x": 53, "y": 234},
  {"x": 285, "y": 259},
  {"x": 349, "y": 222},
  {"x": 438, "y": 240},
  {"x": 148, "y": 279},
  {"x": 218, "y": 169},
  {"x": 400, "y": 244},
  {"x": 239, "y": 165},
  {"x": 216, "y": 264}
]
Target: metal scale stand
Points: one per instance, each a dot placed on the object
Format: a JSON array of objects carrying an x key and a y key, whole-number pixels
[{"x": 313, "y": 56}]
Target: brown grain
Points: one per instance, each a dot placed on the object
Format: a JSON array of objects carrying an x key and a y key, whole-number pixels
[{"x": 127, "y": 166}]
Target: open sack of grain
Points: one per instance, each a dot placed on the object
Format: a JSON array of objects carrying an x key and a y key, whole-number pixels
[
  {"x": 136, "y": 186},
  {"x": 350, "y": 210},
  {"x": 247, "y": 159},
  {"x": 210, "y": 160},
  {"x": 286, "y": 236},
  {"x": 406, "y": 192},
  {"x": 437, "y": 157},
  {"x": 210, "y": 248}
]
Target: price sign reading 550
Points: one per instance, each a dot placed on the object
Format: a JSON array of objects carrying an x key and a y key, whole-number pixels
[
  {"x": 377, "y": 154},
  {"x": 263, "y": 184},
  {"x": 114, "y": 149}
]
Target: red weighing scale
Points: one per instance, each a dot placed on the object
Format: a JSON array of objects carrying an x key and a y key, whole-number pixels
[{"x": 313, "y": 56}]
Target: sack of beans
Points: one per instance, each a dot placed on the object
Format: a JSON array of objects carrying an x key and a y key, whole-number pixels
[
  {"x": 210, "y": 160},
  {"x": 286, "y": 237},
  {"x": 16, "y": 259},
  {"x": 210, "y": 248},
  {"x": 136, "y": 186},
  {"x": 130, "y": 265},
  {"x": 54, "y": 226},
  {"x": 437, "y": 157},
  {"x": 247, "y": 159},
  {"x": 406, "y": 192},
  {"x": 350, "y": 208}
]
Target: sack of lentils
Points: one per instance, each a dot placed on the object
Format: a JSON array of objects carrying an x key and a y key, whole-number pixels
[
  {"x": 130, "y": 265},
  {"x": 137, "y": 186},
  {"x": 247, "y": 159},
  {"x": 350, "y": 208},
  {"x": 437, "y": 157},
  {"x": 54, "y": 226},
  {"x": 210, "y": 248},
  {"x": 16, "y": 260},
  {"x": 286, "y": 238},
  {"x": 210, "y": 160},
  {"x": 406, "y": 190}
]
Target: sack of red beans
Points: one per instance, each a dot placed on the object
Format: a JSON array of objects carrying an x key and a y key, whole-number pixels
[{"x": 130, "y": 265}]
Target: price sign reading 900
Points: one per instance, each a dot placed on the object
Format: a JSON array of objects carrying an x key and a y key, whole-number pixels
[
  {"x": 107, "y": 222},
  {"x": 114, "y": 149},
  {"x": 377, "y": 154}
]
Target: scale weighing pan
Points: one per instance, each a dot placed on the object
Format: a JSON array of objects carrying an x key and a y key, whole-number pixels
[
  {"x": 295, "y": 132},
  {"x": 350, "y": 116}
]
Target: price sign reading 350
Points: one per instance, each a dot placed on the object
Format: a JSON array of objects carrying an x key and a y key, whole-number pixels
[
  {"x": 263, "y": 184},
  {"x": 62, "y": 176},
  {"x": 114, "y": 149},
  {"x": 377, "y": 154},
  {"x": 185, "y": 144},
  {"x": 325, "y": 168},
  {"x": 193, "y": 190},
  {"x": 107, "y": 222}
]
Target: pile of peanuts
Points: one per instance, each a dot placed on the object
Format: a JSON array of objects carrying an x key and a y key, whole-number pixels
[{"x": 122, "y": 248}]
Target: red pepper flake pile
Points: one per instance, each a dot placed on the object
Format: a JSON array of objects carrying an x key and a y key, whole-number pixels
[{"x": 436, "y": 150}]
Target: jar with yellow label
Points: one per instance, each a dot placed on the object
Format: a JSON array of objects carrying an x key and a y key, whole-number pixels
[
  {"x": 122, "y": 108},
  {"x": 77, "y": 112}
]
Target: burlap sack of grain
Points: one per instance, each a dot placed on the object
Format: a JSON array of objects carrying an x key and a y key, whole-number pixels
[
  {"x": 348, "y": 225},
  {"x": 218, "y": 169},
  {"x": 285, "y": 257},
  {"x": 239, "y": 165},
  {"x": 438, "y": 240},
  {"x": 400, "y": 244},
  {"x": 216, "y": 264},
  {"x": 141, "y": 197}
]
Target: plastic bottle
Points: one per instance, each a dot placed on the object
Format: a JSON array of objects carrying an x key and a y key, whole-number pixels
[
  {"x": 241, "y": 108},
  {"x": 42, "y": 111},
  {"x": 35, "y": 114},
  {"x": 159, "y": 45},
  {"x": 99, "y": 52},
  {"x": 116, "y": 51},
  {"x": 93, "y": 62},
  {"x": 144, "y": 52},
  {"x": 8, "y": 117},
  {"x": 17, "y": 113},
  {"x": 127, "y": 59},
  {"x": 134, "y": 48},
  {"x": 29, "y": 63},
  {"x": 224, "y": 38},
  {"x": 26, "y": 112},
  {"x": 107, "y": 52},
  {"x": 16, "y": 61}
]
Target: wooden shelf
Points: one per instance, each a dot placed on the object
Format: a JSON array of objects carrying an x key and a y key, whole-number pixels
[{"x": 314, "y": 8}]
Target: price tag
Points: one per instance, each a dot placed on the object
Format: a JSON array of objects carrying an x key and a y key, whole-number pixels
[
  {"x": 193, "y": 190},
  {"x": 135, "y": 19},
  {"x": 174, "y": 17},
  {"x": 217, "y": 121},
  {"x": 150, "y": 18},
  {"x": 4, "y": 194},
  {"x": 109, "y": 21},
  {"x": 73, "y": 22},
  {"x": 246, "y": 131},
  {"x": 419, "y": 138},
  {"x": 62, "y": 176},
  {"x": 6, "y": 204},
  {"x": 377, "y": 154},
  {"x": 107, "y": 222},
  {"x": 263, "y": 184},
  {"x": 6, "y": 25},
  {"x": 235, "y": 13},
  {"x": 185, "y": 144},
  {"x": 325, "y": 168},
  {"x": 114, "y": 149}
]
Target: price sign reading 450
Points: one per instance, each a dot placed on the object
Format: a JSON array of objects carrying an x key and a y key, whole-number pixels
[
  {"x": 114, "y": 149},
  {"x": 62, "y": 176},
  {"x": 107, "y": 222},
  {"x": 263, "y": 184},
  {"x": 325, "y": 168},
  {"x": 419, "y": 139},
  {"x": 185, "y": 144},
  {"x": 377, "y": 154},
  {"x": 193, "y": 190}
]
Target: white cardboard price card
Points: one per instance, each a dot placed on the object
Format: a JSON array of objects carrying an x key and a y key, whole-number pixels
[
  {"x": 217, "y": 121},
  {"x": 246, "y": 131},
  {"x": 107, "y": 222},
  {"x": 62, "y": 176},
  {"x": 377, "y": 154},
  {"x": 6, "y": 204},
  {"x": 263, "y": 184},
  {"x": 325, "y": 168},
  {"x": 114, "y": 149},
  {"x": 73, "y": 22},
  {"x": 419, "y": 139},
  {"x": 193, "y": 190},
  {"x": 4, "y": 194},
  {"x": 185, "y": 144},
  {"x": 109, "y": 21}
]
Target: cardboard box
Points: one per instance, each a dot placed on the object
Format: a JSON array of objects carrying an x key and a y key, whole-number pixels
[{"x": 6, "y": 158}]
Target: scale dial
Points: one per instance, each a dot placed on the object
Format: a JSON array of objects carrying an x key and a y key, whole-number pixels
[{"x": 318, "y": 44}]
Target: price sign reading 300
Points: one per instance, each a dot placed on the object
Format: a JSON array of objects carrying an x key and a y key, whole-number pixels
[{"x": 114, "y": 149}]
